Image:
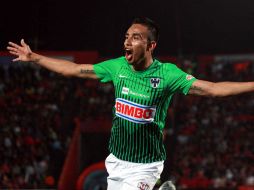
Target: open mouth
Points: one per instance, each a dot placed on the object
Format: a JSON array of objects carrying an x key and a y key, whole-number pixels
[{"x": 128, "y": 54}]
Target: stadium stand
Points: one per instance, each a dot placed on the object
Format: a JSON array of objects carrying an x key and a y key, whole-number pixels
[{"x": 211, "y": 140}]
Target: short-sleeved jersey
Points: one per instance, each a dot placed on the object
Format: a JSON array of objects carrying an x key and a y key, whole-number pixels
[{"x": 142, "y": 99}]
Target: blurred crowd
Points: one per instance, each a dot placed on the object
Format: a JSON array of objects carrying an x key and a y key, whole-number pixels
[
  {"x": 30, "y": 135},
  {"x": 214, "y": 147},
  {"x": 39, "y": 111}
]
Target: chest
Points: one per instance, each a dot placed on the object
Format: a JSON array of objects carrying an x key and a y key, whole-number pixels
[{"x": 145, "y": 89}]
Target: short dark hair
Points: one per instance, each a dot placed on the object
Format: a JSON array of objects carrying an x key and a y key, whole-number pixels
[{"x": 151, "y": 25}]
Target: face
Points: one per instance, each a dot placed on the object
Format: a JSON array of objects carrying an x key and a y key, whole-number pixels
[{"x": 136, "y": 45}]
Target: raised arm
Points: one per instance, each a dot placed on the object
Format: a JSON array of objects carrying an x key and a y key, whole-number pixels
[
  {"x": 220, "y": 89},
  {"x": 64, "y": 67}
]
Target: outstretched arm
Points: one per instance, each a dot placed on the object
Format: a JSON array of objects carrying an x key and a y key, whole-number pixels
[
  {"x": 64, "y": 67},
  {"x": 220, "y": 89}
]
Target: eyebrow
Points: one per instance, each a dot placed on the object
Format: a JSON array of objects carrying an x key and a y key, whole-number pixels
[{"x": 135, "y": 34}]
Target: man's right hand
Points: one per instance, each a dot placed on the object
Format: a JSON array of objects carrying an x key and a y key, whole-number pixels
[{"x": 22, "y": 51}]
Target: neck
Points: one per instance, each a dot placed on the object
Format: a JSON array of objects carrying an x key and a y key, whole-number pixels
[{"x": 143, "y": 64}]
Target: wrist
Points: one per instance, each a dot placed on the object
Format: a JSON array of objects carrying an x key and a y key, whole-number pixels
[{"x": 34, "y": 57}]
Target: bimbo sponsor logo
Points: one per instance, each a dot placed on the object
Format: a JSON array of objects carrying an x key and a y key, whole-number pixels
[{"x": 133, "y": 112}]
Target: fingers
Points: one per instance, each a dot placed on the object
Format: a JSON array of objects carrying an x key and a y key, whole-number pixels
[
  {"x": 14, "y": 52},
  {"x": 14, "y": 45},
  {"x": 17, "y": 59},
  {"x": 21, "y": 51},
  {"x": 22, "y": 42},
  {"x": 11, "y": 48}
]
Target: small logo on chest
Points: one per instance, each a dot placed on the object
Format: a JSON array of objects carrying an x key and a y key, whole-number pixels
[
  {"x": 125, "y": 90},
  {"x": 155, "y": 82}
]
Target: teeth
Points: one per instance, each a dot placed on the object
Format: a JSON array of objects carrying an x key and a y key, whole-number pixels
[
  {"x": 128, "y": 54},
  {"x": 128, "y": 51}
]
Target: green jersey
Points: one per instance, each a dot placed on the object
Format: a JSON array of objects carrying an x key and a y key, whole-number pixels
[{"x": 141, "y": 102}]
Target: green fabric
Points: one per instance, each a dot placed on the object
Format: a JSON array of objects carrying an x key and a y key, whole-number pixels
[{"x": 141, "y": 103}]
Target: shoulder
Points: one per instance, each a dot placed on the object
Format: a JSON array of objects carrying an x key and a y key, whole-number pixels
[
  {"x": 118, "y": 60},
  {"x": 171, "y": 71},
  {"x": 115, "y": 62},
  {"x": 167, "y": 66},
  {"x": 110, "y": 65}
]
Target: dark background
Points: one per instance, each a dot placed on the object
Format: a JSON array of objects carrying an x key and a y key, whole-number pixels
[{"x": 187, "y": 26}]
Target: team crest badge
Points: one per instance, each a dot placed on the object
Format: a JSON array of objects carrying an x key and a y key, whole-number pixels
[{"x": 155, "y": 82}]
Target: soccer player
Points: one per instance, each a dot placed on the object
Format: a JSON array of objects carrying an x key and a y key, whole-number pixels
[{"x": 143, "y": 90}]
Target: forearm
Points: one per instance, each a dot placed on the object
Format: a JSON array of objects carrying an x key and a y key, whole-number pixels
[
  {"x": 232, "y": 88},
  {"x": 60, "y": 66},
  {"x": 220, "y": 89}
]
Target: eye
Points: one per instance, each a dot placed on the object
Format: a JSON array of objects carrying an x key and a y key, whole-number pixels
[{"x": 136, "y": 37}]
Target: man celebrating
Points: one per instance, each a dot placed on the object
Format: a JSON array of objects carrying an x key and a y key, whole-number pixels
[{"x": 143, "y": 90}]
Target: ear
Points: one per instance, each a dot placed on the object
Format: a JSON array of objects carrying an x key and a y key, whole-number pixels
[{"x": 152, "y": 45}]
